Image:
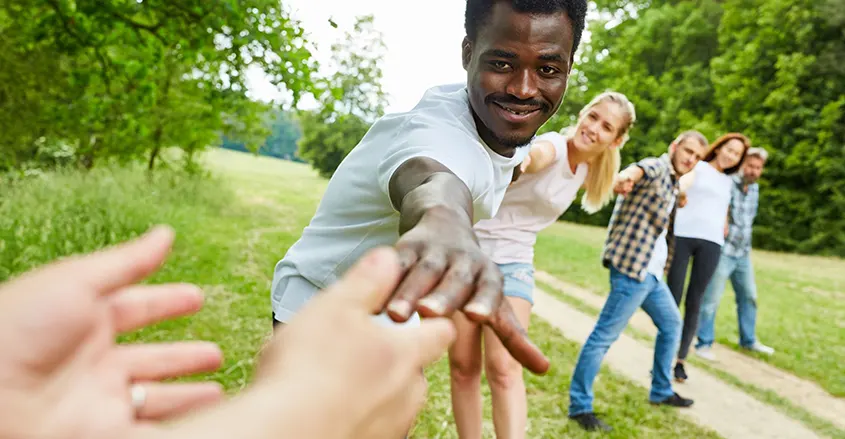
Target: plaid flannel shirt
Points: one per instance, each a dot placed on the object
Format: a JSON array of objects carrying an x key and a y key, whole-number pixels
[
  {"x": 640, "y": 217},
  {"x": 742, "y": 213}
]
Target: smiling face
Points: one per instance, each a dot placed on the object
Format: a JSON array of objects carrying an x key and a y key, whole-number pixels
[
  {"x": 517, "y": 69},
  {"x": 600, "y": 127},
  {"x": 686, "y": 154},
  {"x": 730, "y": 154}
]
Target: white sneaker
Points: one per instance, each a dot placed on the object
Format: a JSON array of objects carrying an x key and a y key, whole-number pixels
[
  {"x": 761, "y": 348},
  {"x": 706, "y": 352}
]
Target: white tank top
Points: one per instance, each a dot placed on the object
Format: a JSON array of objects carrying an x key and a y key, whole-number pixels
[
  {"x": 531, "y": 204},
  {"x": 708, "y": 200}
]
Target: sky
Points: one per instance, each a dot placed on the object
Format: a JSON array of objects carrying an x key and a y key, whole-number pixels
[{"x": 423, "y": 41}]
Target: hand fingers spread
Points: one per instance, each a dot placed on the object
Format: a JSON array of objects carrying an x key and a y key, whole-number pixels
[
  {"x": 371, "y": 280},
  {"x": 420, "y": 280},
  {"x": 488, "y": 294},
  {"x": 507, "y": 328},
  {"x": 166, "y": 401},
  {"x": 139, "y": 306},
  {"x": 454, "y": 289},
  {"x": 160, "y": 361}
]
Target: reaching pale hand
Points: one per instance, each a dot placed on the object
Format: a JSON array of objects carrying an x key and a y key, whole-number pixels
[
  {"x": 352, "y": 377},
  {"x": 62, "y": 375}
]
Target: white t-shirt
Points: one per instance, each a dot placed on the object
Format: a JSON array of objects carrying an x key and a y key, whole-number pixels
[
  {"x": 356, "y": 213},
  {"x": 706, "y": 211},
  {"x": 657, "y": 263},
  {"x": 530, "y": 205}
]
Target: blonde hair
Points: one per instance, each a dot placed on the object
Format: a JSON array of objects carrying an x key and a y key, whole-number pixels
[{"x": 604, "y": 167}]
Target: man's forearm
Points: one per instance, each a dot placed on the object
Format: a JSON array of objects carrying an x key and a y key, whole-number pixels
[
  {"x": 423, "y": 186},
  {"x": 634, "y": 173},
  {"x": 442, "y": 193}
]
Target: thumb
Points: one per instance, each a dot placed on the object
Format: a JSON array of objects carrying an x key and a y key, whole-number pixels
[
  {"x": 370, "y": 281},
  {"x": 428, "y": 342}
]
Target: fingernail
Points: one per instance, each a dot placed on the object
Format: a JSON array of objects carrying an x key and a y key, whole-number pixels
[
  {"x": 478, "y": 309},
  {"x": 433, "y": 305},
  {"x": 400, "y": 307}
]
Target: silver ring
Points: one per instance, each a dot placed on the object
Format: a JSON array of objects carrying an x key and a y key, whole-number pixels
[{"x": 139, "y": 396}]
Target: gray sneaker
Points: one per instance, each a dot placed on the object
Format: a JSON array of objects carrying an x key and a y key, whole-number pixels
[
  {"x": 761, "y": 348},
  {"x": 706, "y": 352}
]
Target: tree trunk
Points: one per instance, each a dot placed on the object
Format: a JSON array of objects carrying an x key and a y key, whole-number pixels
[
  {"x": 156, "y": 145},
  {"x": 153, "y": 156}
]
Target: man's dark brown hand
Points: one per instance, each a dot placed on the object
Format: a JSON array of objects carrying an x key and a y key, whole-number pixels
[{"x": 445, "y": 270}]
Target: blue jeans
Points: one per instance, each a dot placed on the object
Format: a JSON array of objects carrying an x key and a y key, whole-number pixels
[
  {"x": 741, "y": 274},
  {"x": 626, "y": 295}
]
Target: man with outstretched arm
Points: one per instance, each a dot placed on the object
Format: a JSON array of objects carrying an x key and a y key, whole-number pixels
[{"x": 419, "y": 180}]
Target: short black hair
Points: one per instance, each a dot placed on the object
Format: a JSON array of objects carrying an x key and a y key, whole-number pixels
[{"x": 479, "y": 10}]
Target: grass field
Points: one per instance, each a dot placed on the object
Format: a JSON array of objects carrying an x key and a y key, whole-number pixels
[
  {"x": 234, "y": 225},
  {"x": 801, "y": 301}
]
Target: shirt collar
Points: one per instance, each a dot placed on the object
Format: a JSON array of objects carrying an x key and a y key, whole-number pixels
[{"x": 668, "y": 161}]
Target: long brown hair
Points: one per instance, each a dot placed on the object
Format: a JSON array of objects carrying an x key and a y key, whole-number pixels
[{"x": 721, "y": 141}]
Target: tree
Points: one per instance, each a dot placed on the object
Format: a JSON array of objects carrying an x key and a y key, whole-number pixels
[
  {"x": 281, "y": 141},
  {"x": 352, "y": 102},
  {"x": 771, "y": 69},
  {"x": 794, "y": 105},
  {"x": 110, "y": 74}
]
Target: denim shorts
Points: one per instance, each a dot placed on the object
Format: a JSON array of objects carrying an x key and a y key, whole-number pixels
[{"x": 519, "y": 280}]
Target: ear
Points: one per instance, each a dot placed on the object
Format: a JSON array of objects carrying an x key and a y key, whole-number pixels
[
  {"x": 466, "y": 52},
  {"x": 617, "y": 143},
  {"x": 672, "y": 147}
]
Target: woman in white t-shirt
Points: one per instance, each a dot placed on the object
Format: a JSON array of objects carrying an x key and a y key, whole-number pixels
[
  {"x": 700, "y": 230},
  {"x": 557, "y": 167}
]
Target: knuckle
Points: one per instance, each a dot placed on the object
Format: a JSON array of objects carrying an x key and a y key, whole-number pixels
[
  {"x": 460, "y": 255},
  {"x": 432, "y": 263},
  {"x": 493, "y": 275},
  {"x": 463, "y": 276},
  {"x": 489, "y": 284}
]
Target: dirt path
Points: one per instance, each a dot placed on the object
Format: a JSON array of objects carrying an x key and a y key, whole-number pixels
[
  {"x": 718, "y": 406},
  {"x": 803, "y": 393}
]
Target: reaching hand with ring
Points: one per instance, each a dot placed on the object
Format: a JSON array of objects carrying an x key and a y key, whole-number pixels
[{"x": 62, "y": 374}]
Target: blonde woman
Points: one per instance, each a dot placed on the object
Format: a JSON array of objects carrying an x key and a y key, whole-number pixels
[{"x": 559, "y": 164}]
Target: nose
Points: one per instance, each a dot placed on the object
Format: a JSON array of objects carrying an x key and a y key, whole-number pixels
[
  {"x": 523, "y": 85},
  {"x": 590, "y": 126}
]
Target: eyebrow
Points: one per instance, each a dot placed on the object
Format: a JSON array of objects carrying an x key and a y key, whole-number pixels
[
  {"x": 551, "y": 57},
  {"x": 499, "y": 53}
]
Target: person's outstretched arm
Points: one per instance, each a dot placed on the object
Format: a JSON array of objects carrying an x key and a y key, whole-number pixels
[
  {"x": 62, "y": 375},
  {"x": 627, "y": 179},
  {"x": 368, "y": 385},
  {"x": 442, "y": 264}
]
